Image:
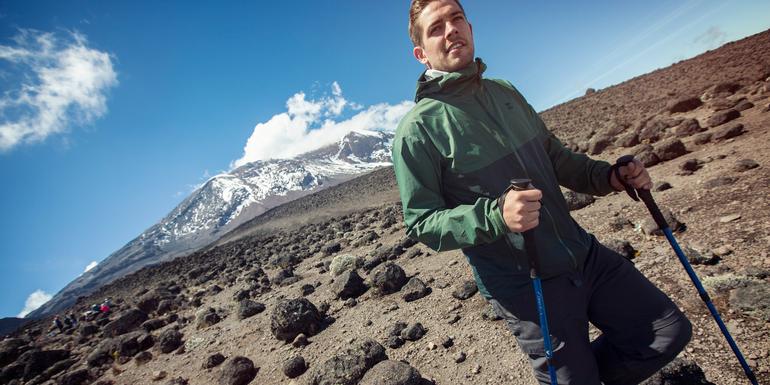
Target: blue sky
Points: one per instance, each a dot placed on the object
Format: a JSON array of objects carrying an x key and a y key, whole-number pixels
[{"x": 124, "y": 107}]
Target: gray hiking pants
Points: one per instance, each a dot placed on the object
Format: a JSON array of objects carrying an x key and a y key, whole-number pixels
[{"x": 642, "y": 329}]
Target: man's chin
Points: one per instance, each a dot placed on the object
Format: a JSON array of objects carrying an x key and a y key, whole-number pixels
[{"x": 455, "y": 65}]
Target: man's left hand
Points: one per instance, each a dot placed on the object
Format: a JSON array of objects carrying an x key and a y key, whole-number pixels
[{"x": 634, "y": 174}]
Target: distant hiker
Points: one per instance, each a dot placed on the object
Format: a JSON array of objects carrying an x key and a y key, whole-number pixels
[
  {"x": 67, "y": 322},
  {"x": 73, "y": 319},
  {"x": 57, "y": 324},
  {"x": 454, "y": 154},
  {"x": 104, "y": 308}
]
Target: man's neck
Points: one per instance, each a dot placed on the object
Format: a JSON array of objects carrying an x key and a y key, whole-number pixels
[{"x": 433, "y": 73}]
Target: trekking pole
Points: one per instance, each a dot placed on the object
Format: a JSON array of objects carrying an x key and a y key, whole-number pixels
[
  {"x": 646, "y": 197},
  {"x": 534, "y": 273}
]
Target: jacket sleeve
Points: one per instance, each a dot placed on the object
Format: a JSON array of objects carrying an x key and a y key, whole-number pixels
[
  {"x": 574, "y": 171},
  {"x": 417, "y": 165}
]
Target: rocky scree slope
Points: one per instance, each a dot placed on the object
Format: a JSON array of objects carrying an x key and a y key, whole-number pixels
[{"x": 344, "y": 297}]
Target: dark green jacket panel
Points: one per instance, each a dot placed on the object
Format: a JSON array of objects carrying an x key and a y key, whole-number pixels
[
  {"x": 429, "y": 218},
  {"x": 454, "y": 154}
]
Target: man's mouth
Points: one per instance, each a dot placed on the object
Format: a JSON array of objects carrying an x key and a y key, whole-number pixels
[{"x": 455, "y": 45}]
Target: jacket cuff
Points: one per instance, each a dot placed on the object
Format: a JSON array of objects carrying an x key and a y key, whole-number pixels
[
  {"x": 603, "y": 174},
  {"x": 496, "y": 217}
]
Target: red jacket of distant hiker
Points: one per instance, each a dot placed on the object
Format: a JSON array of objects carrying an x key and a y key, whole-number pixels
[{"x": 455, "y": 152}]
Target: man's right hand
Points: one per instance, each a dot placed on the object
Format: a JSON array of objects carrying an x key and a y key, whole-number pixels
[{"x": 521, "y": 209}]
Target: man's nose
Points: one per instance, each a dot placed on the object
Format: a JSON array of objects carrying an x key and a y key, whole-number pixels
[{"x": 451, "y": 28}]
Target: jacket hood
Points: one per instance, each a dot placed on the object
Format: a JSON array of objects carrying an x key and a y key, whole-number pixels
[{"x": 452, "y": 82}]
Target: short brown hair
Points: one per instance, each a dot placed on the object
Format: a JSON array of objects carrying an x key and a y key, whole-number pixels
[{"x": 415, "y": 9}]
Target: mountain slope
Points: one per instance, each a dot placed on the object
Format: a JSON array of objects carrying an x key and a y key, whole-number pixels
[{"x": 226, "y": 201}]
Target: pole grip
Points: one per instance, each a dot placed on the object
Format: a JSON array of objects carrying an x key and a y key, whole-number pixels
[
  {"x": 529, "y": 235},
  {"x": 636, "y": 194}
]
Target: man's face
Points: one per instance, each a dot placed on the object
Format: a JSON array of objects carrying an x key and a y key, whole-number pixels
[{"x": 447, "y": 37}]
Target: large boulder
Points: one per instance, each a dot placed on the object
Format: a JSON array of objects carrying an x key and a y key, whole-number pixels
[
  {"x": 348, "y": 285},
  {"x": 465, "y": 290},
  {"x": 36, "y": 361},
  {"x": 293, "y": 317},
  {"x": 248, "y": 308},
  {"x": 294, "y": 367},
  {"x": 387, "y": 278},
  {"x": 169, "y": 340},
  {"x": 10, "y": 349},
  {"x": 414, "y": 290},
  {"x": 649, "y": 226},
  {"x": 727, "y": 132},
  {"x": 576, "y": 200},
  {"x": 77, "y": 377},
  {"x": 684, "y": 104},
  {"x": 125, "y": 322},
  {"x": 670, "y": 149},
  {"x": 149, "y": 301},
  {"x": 723, "y": 117},
  {"x": 348, "y": 368},
  {"x": 238, "y": 371},
  {"x": 206, "y": 318},
  {"x": 342, "y": 263},
  {"x": 688, "y": 127},
  {"x": 391, "y": 372},
  {"x": 126, "y": 345},
  {"x": 753, "y": 298}
]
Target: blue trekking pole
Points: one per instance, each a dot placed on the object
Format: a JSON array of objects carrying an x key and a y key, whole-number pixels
[
  {"x": 534, "y": 273},
  {"x": 646, "y": 197}
]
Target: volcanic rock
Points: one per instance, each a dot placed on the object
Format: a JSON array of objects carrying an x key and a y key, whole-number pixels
[
  {"x": 413, "y": 332},
  {"x": 248, "y": 308},
  {"x": 670, "y": 149},
  {"x": 414, "y": 290},
  {"x": 745, "y": 165},
  {"x": 576, "y": 200},
  {"x": 213, "y": 361},
  {"x": 628, "y": 139},
  {"x": 77, "y": 377},
  {"x": 649, "y": 226},
  {"x": 169, "y": 340},
  {"x": 466, "y": 290},
  {"x": 348, "y": 368},
  {"x": 348, "y": 285},
  {"x": 722, "y": 117},
  {"x": 294, "y": 367},
  {"x": 387, "y": 278},
  {"x": 684, "y": 105},
  {"x": 238, "y": 371},
  {"x": 292, "y": 317},
  {"x": 688, "y": 127},
  {"x": 728, "y": 132},
  {"x": 126, "y": 322},
  {"x": 621, "y": 247},
  {"x": 390, "y": 372},
  {"x": 10, "y": 349},
  {"x": 206, "y": 318},
  {"x": 754, "y": 298}
]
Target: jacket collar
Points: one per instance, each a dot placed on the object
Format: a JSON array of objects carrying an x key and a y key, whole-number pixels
[{"x": 465, "y": 79}]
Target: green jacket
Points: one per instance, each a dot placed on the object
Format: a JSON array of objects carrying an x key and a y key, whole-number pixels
[{"x": 454, "y": 154}]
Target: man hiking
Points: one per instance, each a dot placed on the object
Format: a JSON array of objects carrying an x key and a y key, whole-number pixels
[{"x": 454, "y": 154}]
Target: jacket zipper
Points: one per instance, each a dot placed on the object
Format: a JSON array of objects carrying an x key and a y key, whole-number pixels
[{"x": 523, "y": 167}]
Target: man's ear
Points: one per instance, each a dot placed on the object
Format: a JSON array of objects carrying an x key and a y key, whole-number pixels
[{"x": 419, "y": 54}]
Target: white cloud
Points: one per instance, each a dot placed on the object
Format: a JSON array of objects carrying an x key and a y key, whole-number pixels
[
  {"x": 61, "y": 81},
  {"x": 91, "y": 266},
  {"x": 34, "y": 301},
  {"x": 310, "y": 124}
]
